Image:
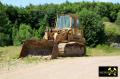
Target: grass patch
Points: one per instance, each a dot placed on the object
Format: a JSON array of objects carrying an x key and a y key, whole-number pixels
[
  {"x": 9, "y": 53},
  {"x": 9, "y": 57},
  {"x": 103, "y": 50},
  {"x": 35, "y": 59}
]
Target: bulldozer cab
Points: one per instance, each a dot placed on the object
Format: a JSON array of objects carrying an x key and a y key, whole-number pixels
[{"x": 68, "y": 22}]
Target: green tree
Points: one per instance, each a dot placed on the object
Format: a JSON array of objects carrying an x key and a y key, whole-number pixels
[
  {"x": 5, "y": 30},
  {"x": 118, "y": 19},
  {"x": 93, "y": 27},
  {"x": 41, "y": 31},
  {"x": 24, "y": 33},
  {"x": 4, "y": 23},
  {"x": 4, "y": 39},
  {"x": 12, "y": 13}
]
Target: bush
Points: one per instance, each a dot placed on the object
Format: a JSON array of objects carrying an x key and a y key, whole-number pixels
[
  {"x": 4, "y": 39},
  {"x": 41, "y": 31},
  {"x": 105, "y": 19},
  {"x": 24, "y": 33},
  {"x": 93, "y": 27},
  {"x": 118, "y": 19},
  {"x": 38, "y": 34},
  {"x": 112, "y": 31}
]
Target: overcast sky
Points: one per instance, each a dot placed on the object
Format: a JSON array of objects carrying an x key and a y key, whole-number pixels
[{"x": 24, "y": 3}]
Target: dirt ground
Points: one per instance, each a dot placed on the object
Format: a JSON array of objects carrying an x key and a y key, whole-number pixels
[{"x": 65, "y": 68}]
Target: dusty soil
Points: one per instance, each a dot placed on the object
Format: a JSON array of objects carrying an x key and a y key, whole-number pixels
[{"x": 65, "y": 68}]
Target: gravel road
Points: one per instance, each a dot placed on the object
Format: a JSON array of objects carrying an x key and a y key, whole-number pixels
[{"x": 66, "y": 68}]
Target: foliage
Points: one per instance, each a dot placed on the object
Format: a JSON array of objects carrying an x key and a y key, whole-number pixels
[
  {"x": 38, "y": 34},
  {"x": 93, "y": 27},
  {"x": 4, "y": 39},
  {"x": 112, "y": 28},
  {"x": 4, "y": 23},
  {"x": 12, "y": 13},
  {"x": 105, "y": 19},
  {"x": 112, "y": 32},
  {"x": 41, "y": 31},
  {"x": 118, "y": 19},
  {"x": 24, "y": 33},
  {"x": 5, "y": 30},
  {"x": 40, "y": 16}
]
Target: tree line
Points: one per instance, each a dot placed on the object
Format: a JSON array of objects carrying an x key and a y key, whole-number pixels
[{"x": 18, "y": 24}]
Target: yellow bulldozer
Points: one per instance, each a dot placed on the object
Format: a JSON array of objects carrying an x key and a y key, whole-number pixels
[{"x": 65, "y": 39}]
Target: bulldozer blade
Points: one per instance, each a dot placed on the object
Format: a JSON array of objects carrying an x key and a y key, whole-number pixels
[{"x": 37, "y": 47}]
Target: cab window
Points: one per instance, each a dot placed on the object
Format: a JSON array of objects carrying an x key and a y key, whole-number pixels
[
  {"x": 72, "y": 23},
  {"x": 77, "y": 23}
]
